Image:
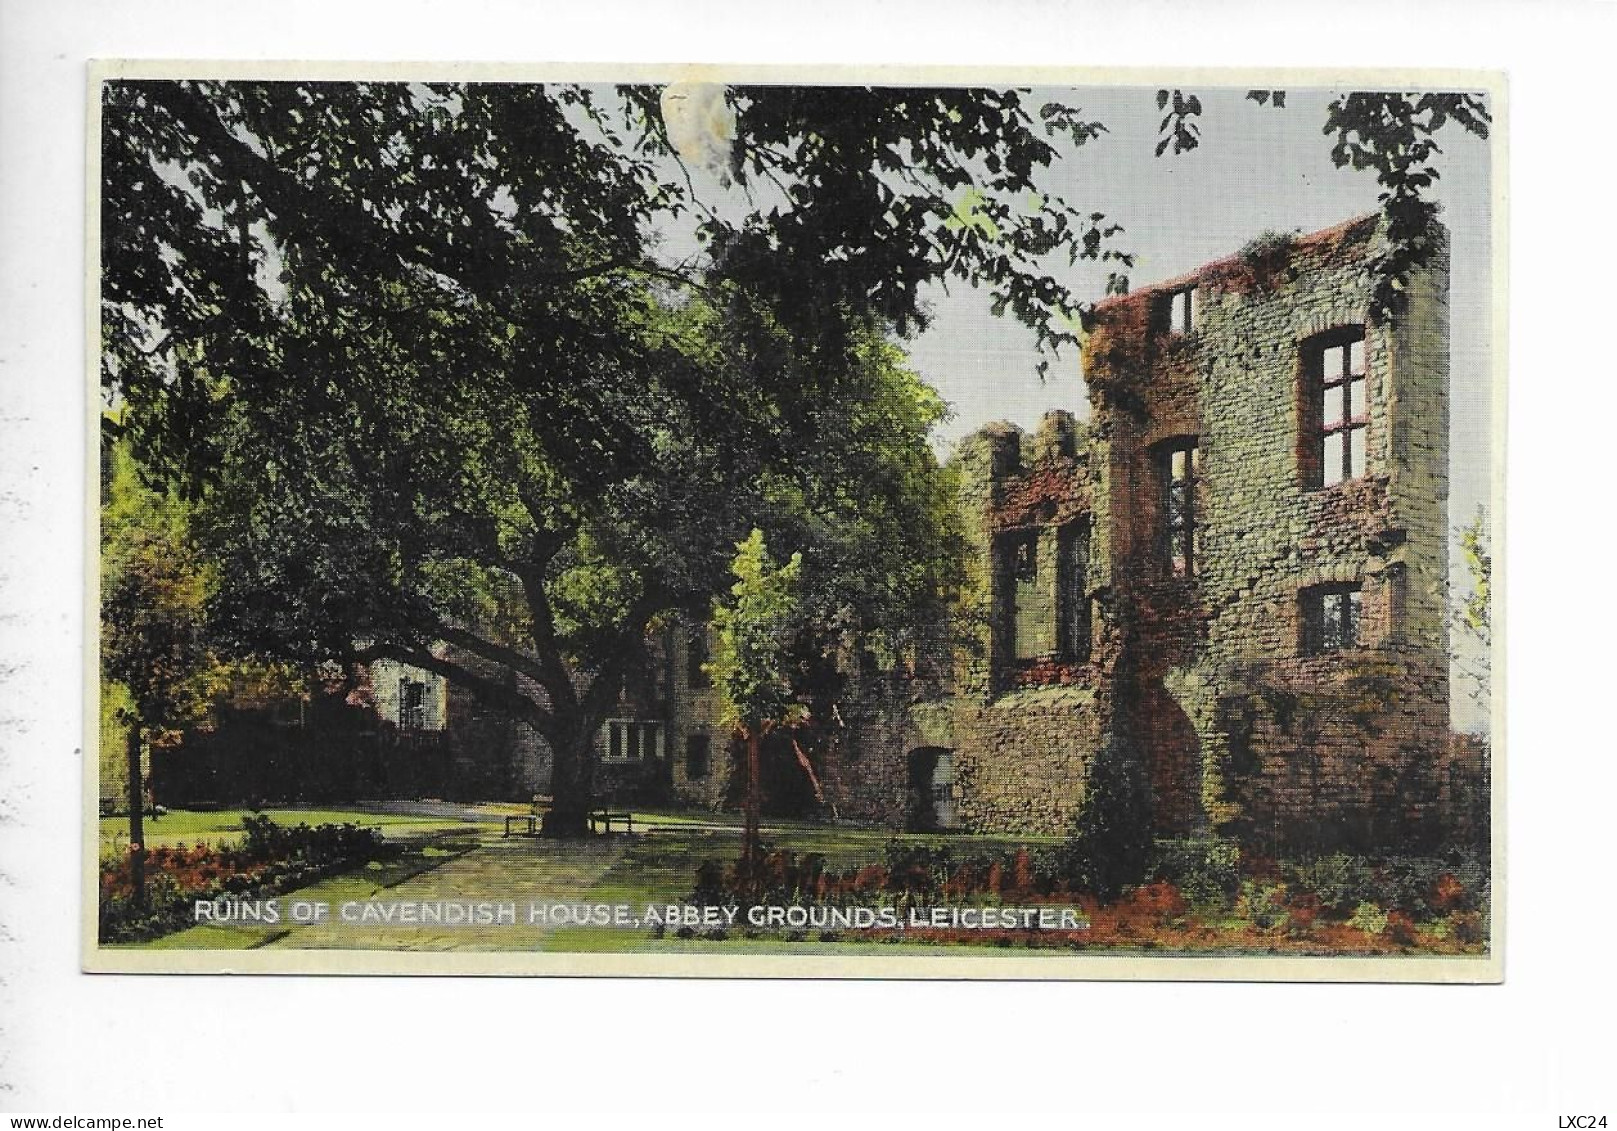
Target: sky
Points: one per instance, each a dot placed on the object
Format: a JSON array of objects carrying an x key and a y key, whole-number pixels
[{"x": 1257, "y": 169}]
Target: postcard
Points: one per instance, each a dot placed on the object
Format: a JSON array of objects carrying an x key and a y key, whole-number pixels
[{"x": 717, "y": 522}]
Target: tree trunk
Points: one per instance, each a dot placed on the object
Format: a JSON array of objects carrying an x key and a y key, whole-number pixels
[
  {"x": 751, "y": 845},
  {"x": 572, "y": 785},
  {"x": 137, "y": 815}
]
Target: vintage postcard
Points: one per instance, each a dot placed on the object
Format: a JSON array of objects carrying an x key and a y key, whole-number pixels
[{"x": 716, "y": 522}]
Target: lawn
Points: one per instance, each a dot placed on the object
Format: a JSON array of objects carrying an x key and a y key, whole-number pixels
[{"x": 222, "y": 827}]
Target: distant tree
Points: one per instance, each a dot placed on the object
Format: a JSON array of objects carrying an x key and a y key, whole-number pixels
[
  {"x": 751, "y": 668},
  {"x": 154, "y": 656},
  {"x": 1472, "y": 614},
  {"x": 162, "y": 668}
]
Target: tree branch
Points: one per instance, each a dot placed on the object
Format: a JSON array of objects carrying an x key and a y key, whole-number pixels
[
  {"x": 552, "y": 673},
  {"x": 489, "y": 691},
  {"x": 347, "y": 224},
  {"x": 489, "y": 650}
]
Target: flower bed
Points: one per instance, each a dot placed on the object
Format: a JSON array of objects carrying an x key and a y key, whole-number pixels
[
  {"x": 271, "y": 860},
  {"x": 1196, "y": 898}
]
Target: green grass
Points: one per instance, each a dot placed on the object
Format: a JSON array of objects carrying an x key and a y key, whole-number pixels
[{"x": 222, "y": 827}]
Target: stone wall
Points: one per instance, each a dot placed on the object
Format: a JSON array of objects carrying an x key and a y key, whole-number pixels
[
  {"x": 1022, "y": 760},
  {"x": 1029, "y": 703},
  {"x": 695, "y": 715},
  {"x": 1342, "y": 748}
]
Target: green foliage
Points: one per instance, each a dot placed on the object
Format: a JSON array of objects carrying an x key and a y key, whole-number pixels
[
  {"x": 1474, "y": 545},
  {"x": 1206, "y": 871},
  {"x": 1395, "y": 135},
  {"x": 1421, "y": 887},
  {"x": 1178, "y": 128},
  {"x": 267, "y": 840},
  {"x": 523, "y": 205},
  {"x": 163, "y": 666},
  {"x": 1110, "y": 848},
  {"x": 1339, "y": 881},
  {"x": 1368, "y": 918},
  {"x": 153, "y": 590},
  {"x": 1471, "y": 615},
  {"x": 1263, "y": 905},
  {"x": 755, "y": 630},
  {"x": 866, "y": 187},
  {"x": 117, "y": 708},
  {"x": 273, "y": 859},
  {"x": 1268, "y": 249}
]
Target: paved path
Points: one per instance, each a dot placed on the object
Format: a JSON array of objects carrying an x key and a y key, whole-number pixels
[{"x": 516, "y": 871}]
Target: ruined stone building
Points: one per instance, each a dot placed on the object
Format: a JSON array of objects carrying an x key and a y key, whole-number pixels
[{"x": 1231, "y": 576}]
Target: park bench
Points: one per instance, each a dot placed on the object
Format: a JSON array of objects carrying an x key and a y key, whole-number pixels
[
  {"x": 529, "y": 821},
  {"x": 606, "y": 817}
]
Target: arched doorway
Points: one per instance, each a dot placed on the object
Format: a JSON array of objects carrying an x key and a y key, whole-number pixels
[{"x": 930, "y": 806}]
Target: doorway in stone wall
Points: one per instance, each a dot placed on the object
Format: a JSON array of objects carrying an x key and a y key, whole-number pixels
[
  {"x": 930, "y": 805},
  {"x": 1173, "y": 755}
]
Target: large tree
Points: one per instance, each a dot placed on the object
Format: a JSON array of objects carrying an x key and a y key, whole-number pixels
[
  {"x": 415, "y": 501},
  {"x": 413, "y": 345}
]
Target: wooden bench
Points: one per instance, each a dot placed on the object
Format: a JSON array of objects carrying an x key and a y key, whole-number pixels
[
  {"x": 606, "y": 817},
  {"x": 530, "y": 821}
]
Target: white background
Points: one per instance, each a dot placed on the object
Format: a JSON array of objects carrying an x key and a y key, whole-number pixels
[{"x": 1540, "y": 1044}]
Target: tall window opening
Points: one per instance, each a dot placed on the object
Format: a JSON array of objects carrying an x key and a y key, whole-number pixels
[
  {"x": 1072, "y": 600},
  {"x": 1182, "y": 311},
  {"x": 412, "y": 704},
  {"x": 1339, "y": 403},
  {"x": 1025, "y": 632},
  {"x": 1181, "y": 472}
]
